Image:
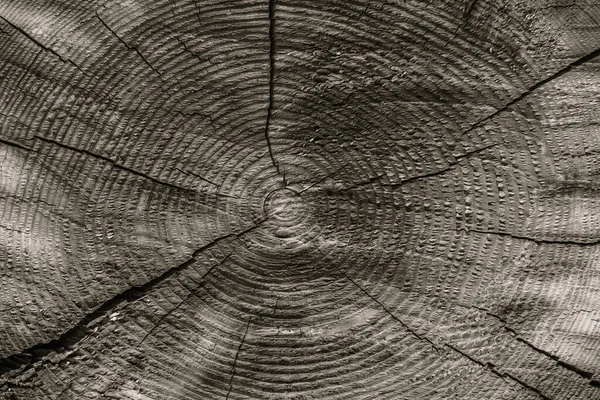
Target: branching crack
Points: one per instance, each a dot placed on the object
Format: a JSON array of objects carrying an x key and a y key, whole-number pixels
[
  {"x": 81, "y": 330},
  {"x": 235, "y": 360},
  {"x": 197, "y": 14},
  {"x": 188, "y": 50},
  {"x": 533, "y": 88},
  {"x": 272, "y": 50}
]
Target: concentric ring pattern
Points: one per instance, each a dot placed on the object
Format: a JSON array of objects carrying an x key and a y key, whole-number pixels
[{"x": 315, "y": 199}]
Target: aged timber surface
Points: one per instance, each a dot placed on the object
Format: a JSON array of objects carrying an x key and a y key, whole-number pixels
[{"x": 317, "y": 199}]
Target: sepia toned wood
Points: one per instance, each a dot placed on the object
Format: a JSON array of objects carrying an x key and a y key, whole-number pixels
[{"x": 316, "y": 199}]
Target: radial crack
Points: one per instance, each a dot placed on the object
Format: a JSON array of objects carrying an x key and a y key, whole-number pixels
[
  {"x": 18, "y": 84},
  {"x": 528, "y": 386},
  {"x": 533, "y": 88},
  {"x": 271, "y": 81},
  {"x": 408, "y": 328},
  {"x": 112, "y": 162},
  {"x": 411, "y": 179},
  {"x": 198, "y": 176},
  {"x": 469, "y": 11},
  {"x": 325, "y": 177},
  {"x": 181, "y": 303},
  {"x": 69, "y": 385},
  {"x": 14, "y": 144},
  {"x": 581, "y": 372},
  {"x": 489, "y": 366},
  {"x": 130, "y": 47},
  {"x": 492, "y": 368},
  {"x": 80, "y": 329},
  {"x": 235, "y": 360},
  {"x": 534, "y": 240},
  {"x": 41, "y": 45}
]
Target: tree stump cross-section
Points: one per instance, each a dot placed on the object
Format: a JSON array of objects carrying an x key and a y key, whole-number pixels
[{"x": 317, "y": 199}]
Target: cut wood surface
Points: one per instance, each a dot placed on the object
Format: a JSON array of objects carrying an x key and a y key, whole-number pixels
[{"x": 307, "y": 199}]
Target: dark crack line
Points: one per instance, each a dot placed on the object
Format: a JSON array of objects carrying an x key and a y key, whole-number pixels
[
  {"x": 370, "y": 181},
  {"x": 197, "y": 15},
  {"x": 66, "y": 389},
  {"x": 364, "y": 11},
  {"x": 528, "y": 386},
  {"x": 181, "y": 303},
  {"x": 419, "y": 177},
  {"x": 235, "y": 360},
  {"x": 408, "y": 328},
  {"x": 18, "y": 84},
  {"x": 41, "y": 45},
  {"x": 272, "y": 50},
  {"x": 475, "y": 151},
  {"x": 17, "y": 145},
  {"x": 581, "y": 372},
  {"x": 534, "y": 240},
  {"x": 325, "y": 177},
  {"x": 451, "y": 166},
  {"x": 130, "y": 47},
  {"x": 87, "y": 91},
  {"x": 488, "y": 366},
  {"x": 81, "y": 329},
  {"x": 152, "y": 67},
  {"x": 504, "y": 322},
  {"x": 2, "y": 226},
  {"x": 199, "y": 177},
  {"x": 574, "y": 5},
  {"x": 492, "y": 368},
  {"x": 469, "y": 11},
  {"x": 533, "y": 88},
  {"x": 359, "y": 287},
  {"x": 285, "y": 181},
  {"x": 115, "y": 164},
  {"x": 188, "y": 50},
  {"x": 112, "y": 162}
]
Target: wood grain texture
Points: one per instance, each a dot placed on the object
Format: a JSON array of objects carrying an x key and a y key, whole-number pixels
[{"x": 317, "y": 199}]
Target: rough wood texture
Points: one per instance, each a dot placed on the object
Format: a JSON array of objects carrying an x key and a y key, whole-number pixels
[{"x": 316, "y": 199}]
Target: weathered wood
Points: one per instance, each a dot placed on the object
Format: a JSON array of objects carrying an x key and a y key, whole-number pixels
[{"x": 311, "y": 199}]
